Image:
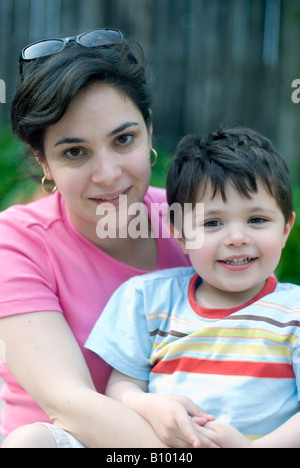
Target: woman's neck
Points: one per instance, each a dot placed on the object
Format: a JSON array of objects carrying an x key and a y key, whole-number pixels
[{"x": 140, "y": 252}]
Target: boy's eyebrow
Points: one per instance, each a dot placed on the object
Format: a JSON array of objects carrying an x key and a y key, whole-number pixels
[
  {"x": 255, "y": 209},
  {"x": 261, "y": 209},
  {"x": 213, "y": 212}
]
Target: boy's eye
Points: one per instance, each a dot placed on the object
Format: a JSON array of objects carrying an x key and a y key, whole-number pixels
[
  {"x": 257, "y": 220},
  {"x": 212, "y": 223}
]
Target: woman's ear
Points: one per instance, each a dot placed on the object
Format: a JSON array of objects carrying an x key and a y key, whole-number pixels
[{"x": 42, "y": 162}]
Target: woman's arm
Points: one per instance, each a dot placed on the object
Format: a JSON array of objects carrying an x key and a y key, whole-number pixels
[
  {"x": 286, "y": 436},
  {"x": 172, "y": 416},
  {"x": 43, "y": 355}
]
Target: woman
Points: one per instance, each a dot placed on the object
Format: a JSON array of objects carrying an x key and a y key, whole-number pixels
[{"x": 83, "y": 108}]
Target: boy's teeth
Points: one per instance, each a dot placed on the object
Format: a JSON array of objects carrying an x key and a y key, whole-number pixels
[{"x": 238, "y": 261}]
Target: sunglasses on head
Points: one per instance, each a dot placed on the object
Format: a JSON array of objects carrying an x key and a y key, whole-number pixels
[{"x": 48, "y": 47}]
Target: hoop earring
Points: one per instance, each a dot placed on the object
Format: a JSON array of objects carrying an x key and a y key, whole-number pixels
[
  {"x": 155, "y": 157},
  {"x": 44, "y": 188}
]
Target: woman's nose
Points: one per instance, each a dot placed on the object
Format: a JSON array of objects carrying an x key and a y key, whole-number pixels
[{"x": 105, "y": 170}]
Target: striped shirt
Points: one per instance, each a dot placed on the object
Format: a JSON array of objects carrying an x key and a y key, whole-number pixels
[{"x": 241, "y": 364}]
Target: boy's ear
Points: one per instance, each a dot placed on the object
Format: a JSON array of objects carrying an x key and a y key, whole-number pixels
[
  {"x": 179, "y": 238},
  {"x": 288, "y": 227}
]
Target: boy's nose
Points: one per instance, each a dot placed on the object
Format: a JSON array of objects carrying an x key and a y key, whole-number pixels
[{"x": 236, "y": 236}]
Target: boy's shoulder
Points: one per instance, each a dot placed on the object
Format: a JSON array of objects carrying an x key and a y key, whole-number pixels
[
  {"x": 180, "y": 274},
  {"x": 286, "y": 295},
  {"x": 287, "y": 287}
]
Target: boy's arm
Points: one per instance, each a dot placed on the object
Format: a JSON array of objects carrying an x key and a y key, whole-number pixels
[
  {"x": 169, "y": 415},
  {"x": 286, "y": 436}
]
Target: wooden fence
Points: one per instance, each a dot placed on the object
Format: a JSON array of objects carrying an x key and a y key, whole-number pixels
[{"x": 210, "y": 60}]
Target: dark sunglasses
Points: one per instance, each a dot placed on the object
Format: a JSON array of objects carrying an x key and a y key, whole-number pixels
[{"x": 48, "y": 47}]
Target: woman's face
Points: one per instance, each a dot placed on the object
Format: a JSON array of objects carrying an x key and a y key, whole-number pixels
[{"x": 100, "y": 149}]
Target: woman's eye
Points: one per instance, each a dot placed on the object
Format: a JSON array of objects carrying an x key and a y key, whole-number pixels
[
  {"x": 74, "y": 153},
  {"x": 124, "y": 140}
]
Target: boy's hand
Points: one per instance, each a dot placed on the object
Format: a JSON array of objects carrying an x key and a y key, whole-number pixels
[
  {"x": 226, "y": 436},
  {"x": 177, "y": 420}
]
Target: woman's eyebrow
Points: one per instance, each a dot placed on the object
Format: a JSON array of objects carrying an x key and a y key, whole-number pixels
[
  {"x": 69, "y": 141},
  {"x": 123, "y": 127}
]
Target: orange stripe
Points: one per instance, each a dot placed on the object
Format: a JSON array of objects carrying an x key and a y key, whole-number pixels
[
  {"x": 237, "y": 368},
  {"x": 282, "y": 308}
]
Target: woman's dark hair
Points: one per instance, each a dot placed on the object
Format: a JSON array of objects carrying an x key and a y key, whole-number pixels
[
  {"x": 50, "y": 84},
  {"x": 239, "y": 156}
]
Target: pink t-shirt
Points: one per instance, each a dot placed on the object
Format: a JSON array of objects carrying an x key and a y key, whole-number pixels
[{"x": 47, "y": 265}]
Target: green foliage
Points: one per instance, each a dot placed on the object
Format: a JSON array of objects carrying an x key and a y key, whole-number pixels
[
  {"x": 289, "y": 267},
  {"x": 15, "y": 184},
  {"x": 159, "y": 171}
]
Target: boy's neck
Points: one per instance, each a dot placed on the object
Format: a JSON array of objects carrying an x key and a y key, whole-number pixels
[{"x": 211, "y": 298}]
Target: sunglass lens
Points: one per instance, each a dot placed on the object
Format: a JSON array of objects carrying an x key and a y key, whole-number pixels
[
  {"x": 42, "y": 49},
  {"x": 100, "y": 37}
]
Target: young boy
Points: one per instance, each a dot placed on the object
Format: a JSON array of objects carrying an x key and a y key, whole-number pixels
[{"x": 224, "y": 334}]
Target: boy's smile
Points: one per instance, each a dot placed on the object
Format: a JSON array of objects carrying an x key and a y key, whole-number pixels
[
  {"x": 243, "y": 240},
  {"x": 238, "y": 262}
]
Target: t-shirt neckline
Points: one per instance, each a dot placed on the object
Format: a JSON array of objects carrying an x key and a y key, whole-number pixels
[{"x": 269, "y": 287}]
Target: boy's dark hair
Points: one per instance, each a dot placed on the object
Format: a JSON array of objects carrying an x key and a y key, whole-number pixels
[
  {"x": 240, "y": 156},
  {"x": 50, "y": 84}
]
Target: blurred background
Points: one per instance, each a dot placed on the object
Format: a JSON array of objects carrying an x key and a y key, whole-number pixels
[{"x": 209, "y": 62}]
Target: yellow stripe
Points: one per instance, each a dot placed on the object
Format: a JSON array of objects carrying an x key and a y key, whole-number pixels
[
  {"x": 252, "y": 437},
  {"x": 224, "y": 348},
  {"x": 249, "y": 333}
]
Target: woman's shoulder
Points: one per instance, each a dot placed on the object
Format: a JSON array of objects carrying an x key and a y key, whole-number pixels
[
  {"x": 43, "y": 212},
  {"x": 155, "y": 195}
]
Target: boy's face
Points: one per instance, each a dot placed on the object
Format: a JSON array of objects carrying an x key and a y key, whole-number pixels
[{"x": 243, "y": 240}]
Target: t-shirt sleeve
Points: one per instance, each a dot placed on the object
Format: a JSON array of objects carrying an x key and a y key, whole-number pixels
[
  {"x": 296, "y": 366},
  {"x": 121, "y": 335},
  {"x": 27, "y": 282}
]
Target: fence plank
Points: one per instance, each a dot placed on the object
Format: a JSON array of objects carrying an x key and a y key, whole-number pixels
[
  {"x": 213, "y": 60},
  {"x": 52, "y": 18}
]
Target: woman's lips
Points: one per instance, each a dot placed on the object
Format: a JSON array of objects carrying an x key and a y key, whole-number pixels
[{"x": 112, "y": 198}]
